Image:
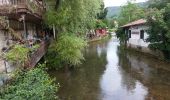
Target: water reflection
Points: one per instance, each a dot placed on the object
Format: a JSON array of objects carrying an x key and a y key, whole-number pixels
[
  {"x": 152, "y": 73},
  {"x": 110, "y": 73},
  {"x": 113, "y": 85}
]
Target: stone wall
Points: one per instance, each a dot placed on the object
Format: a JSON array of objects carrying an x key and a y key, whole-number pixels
[{"x": 156, "y": 53}]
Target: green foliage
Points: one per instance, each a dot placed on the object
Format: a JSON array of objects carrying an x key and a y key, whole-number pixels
[
  {"x": 159, "y": 4},
  {"x": 71, "y": 17},
  {"x": 122, "y": 36},
  {"x": 103, "y": 12},
  {"x": 75, "y": 16},
  {"x": 18, "y": 53},
  {"x": 32, "y": 85},
  {"x": 101, "y": 24},
  {"x": 159, "y": 21},
  {"x": 67, "y": 49},
  {"x": 130, "y": 12},
  {"x": 34, "y": 47},
  {"x": 112, "y": 22}
]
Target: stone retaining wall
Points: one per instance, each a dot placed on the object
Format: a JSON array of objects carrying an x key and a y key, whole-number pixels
[{"x": 156, "y": 53}]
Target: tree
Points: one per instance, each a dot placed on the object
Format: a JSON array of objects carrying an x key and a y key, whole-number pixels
[
  {"x": 103, "y": 12},
  {"x": 73, "y": 16},
  {"x": 159, "y": 21},
  {"x": 101, "y": 24},
  {"x": 66, "y": 51},
  {"x": 159, "y": 4},
  {"x": 130, "y": 12}
]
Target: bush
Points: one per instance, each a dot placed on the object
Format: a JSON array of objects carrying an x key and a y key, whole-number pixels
[
  {"x": 121, "y": 36},
  {"x": 100, "y": 24},
  {"x": 18, "y": 53},
  {"x": 32, "y": 85}
]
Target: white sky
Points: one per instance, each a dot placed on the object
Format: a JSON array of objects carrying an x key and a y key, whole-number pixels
[{"x": 109, "y": 3}]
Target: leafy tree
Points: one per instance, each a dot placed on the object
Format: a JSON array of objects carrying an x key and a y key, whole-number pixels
[
  {"x": 73, "y": 16},
  {"x": 122, "y": 36},
  {"x": 112, "y": 22},
  {"x": 130, "y": 12},
  {"x": 66, "y": 50},
  {"x": 101, "y": 24},
  {"x": 32, "y": 85},
  {"x": 103, "y": 12},
  {"x": 159, "y": 22},
  {"x": 159, "y": 4}
]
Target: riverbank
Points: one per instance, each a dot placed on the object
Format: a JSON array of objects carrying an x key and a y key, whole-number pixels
[
  {"x": 99, "y": 38},
  {"x": 147, "y": 52}
]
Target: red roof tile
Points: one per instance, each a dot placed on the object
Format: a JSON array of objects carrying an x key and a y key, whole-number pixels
[{"x": 137, "y": 22}]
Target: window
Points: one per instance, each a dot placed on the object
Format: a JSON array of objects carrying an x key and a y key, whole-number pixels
[
  {"x": 129, "y": 33},
  {"x": 142, "y": 34}
]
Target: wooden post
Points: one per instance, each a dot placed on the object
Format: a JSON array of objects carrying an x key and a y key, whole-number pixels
[{"x": 54, "y": 32}]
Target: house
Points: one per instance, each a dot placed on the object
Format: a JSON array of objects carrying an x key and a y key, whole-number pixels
[
  {"x": 101, "y": 32},
  {"x": 137, "y": 35},
  {"x": 21, "y": 22}
]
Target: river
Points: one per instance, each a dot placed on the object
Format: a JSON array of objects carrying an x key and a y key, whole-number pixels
[{"x": 110, "y": 73}]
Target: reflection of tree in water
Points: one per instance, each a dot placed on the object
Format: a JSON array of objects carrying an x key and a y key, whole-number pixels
[
  {"x": 153, "y": 73},
  {"x": 82, "y": 83},
  {"x": 127, "y": 81}
]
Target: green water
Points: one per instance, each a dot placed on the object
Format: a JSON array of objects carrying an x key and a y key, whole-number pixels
[{"x": 109, "y": 73}]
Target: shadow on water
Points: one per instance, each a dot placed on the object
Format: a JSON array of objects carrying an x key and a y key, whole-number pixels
[{"x": 110, "y": 73}]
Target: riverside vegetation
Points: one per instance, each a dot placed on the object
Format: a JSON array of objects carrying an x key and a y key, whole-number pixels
[
  {"x": 71, "y": 20},
  {"x": 157, "y": 14}
]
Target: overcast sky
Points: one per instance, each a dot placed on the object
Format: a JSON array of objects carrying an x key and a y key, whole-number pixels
[{"x": 109, "y": 3}]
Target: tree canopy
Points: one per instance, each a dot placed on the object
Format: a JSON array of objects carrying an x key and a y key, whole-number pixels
[
  {"x": 130, "y": 12},
  {"x": 158, "y": 19},
  {"x": 72, "y": 15},
  {"x": 72, "y": 19}
]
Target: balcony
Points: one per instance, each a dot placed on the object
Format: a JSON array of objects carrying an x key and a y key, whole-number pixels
[{"x": 13, "y": 7}]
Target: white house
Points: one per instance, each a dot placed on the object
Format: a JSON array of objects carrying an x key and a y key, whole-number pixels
[{"x": 137, "y": 33}]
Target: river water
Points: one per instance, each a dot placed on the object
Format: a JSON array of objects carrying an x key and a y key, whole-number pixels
[{"x": 111, "y": 73}]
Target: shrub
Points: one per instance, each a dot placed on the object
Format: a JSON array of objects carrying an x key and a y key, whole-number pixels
[
  {"x": 18, "y": 53},
  {"x": 32, "y": 85}
]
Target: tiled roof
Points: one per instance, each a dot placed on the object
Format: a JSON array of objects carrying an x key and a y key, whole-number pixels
[{"x": 137, "y": 22}]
